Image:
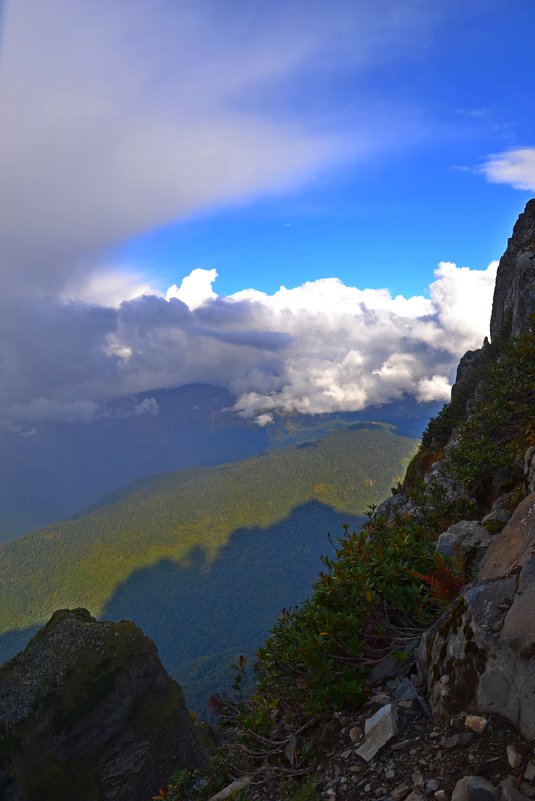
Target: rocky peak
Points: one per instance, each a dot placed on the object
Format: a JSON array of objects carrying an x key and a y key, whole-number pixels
[
  {"x": 88, "y": 712},
  {"x": 514, "y": 293}
]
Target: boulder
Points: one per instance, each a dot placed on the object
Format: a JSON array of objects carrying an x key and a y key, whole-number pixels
[
  {"x": 466, "y": 537},
  {"x": 513, "y": 547},
  {"x": 88, "y": 712},
  {"x": 395, "y": 506},
  {"x": 500, "y": 512},
  {"x": 480, "y": 656},
  {"x": 475, "y": 788},
  {"x": 379, "y": 729}
]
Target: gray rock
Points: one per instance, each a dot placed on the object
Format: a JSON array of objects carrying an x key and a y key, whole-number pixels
[
  {"x": 395, "y": 505},
  {"x": 510, "y": 791},
  {"x": 86, "y": 711},
  {"x": 400, "y": 793},
  {"x": 514, "y": 293},
  {"x": 514, "y": 756},
  {"x": 417, "y": 780},
  {"x": 385, "y": 669},
  {"x": 406, "y": 691},
  {"x": 479, "y": 657},
  {"x": 529, "y": 772},
  {"x": 378, "y": 729},
  {"x": 464, "y": 537},
  {"x": 474, "y": 788},
  {"x": 529, "y": 469},
  {"x": 513, "y": 547}
]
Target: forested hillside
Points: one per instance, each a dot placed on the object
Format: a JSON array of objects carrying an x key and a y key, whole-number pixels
[
  {"x": 53, "y": 470},
  {"x": 202, "y": 559}
]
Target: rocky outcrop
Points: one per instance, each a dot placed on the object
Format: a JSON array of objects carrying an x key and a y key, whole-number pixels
[
  {"x": 467, "y": 537},
  {"x": 514, "y": 294},
  {"x": 481, "y": 655},
  {"x": 87, "y": 712}
]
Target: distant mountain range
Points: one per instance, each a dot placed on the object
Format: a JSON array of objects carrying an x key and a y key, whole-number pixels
[
  {"x": 52, "y": 470},
  {"x": 203, "y": 559}
]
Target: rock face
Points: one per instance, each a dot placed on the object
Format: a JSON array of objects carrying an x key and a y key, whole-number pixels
[
  {"x": 87, "y": 712},
  {"x": 514, "y": 294},
  {"x": 466, "y": 536},
  {"x": 481, "y": 655}
]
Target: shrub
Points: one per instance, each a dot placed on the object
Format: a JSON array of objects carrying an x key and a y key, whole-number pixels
[
  {"x": 369, "y": 602},
  {"x": 502, "y": 424}
]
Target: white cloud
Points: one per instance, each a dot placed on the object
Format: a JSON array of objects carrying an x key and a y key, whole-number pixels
[
  {"x": 147, "y": 406},
  {"x": 319, "y": 347},
  {"x": 436, "y": 388},
  {"x": 108, "y": 287},
  {"x": 264, "y": 419},
  {"x": 515, "y": 167},
  {"x": 195, "y": 288}
]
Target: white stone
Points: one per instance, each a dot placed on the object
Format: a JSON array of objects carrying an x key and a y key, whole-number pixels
[{"x": 379, "y": 729}]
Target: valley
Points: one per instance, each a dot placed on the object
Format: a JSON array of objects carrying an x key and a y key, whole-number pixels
[{"x": 203, "y": 559}]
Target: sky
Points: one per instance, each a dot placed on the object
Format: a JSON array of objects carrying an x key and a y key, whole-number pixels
[{"x": 303, "y": 202}]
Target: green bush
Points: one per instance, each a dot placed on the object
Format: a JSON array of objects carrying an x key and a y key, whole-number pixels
[
  {"x": 366, "y": 604},
  {"x": 502, "y": 423}
]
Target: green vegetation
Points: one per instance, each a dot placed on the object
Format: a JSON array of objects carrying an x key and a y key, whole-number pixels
[
  {"x": 370, "y": 601},
  {"x": 498, "y": 429},
  {"x": 386, "y": 583},
  {"x": 502, "y": 424},
  {"x": 381, "y": 589},
  {"x": 203, "y": 560}
]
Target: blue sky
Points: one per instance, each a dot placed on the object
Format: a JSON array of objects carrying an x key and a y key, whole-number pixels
[
  {"x": 387, "y": 220},
  {"x": 168, "y": 166}
]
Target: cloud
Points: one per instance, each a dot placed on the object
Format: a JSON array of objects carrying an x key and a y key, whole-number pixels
[
  {"x": 107, "y": 287},
  {"x": 147, "y": 406},
  {"x": 46, "y": 409},
  {"x": 138, "y": 113},
  {"x": 319, "y": 347},
  {"x": 515, "y": 167},
  {"x": 195, "y": 289}
]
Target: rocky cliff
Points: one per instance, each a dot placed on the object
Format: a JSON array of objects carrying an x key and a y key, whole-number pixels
[
  {"x": 449, "y": 712},
  {"x": 514, "y": 294},
  {"x": 481, "y": 655},
  {"x": 87, "y": 712}
]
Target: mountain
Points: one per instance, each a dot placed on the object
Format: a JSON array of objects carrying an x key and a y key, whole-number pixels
[
  {"x": 203, "y": 559},
  {"x": 54, "y": 469},
  {"x": 106, "y": 730},
  {"x": 427, "y": 612}
]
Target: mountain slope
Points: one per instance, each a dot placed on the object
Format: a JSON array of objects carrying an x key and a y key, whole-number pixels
[
  {"x": 243, "y": 539},
  {"x": 440, "y": 583},
  {"x": 54, "y": 469}
]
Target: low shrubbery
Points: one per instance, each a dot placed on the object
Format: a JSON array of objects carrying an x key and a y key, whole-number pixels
[
  {"x": 381, "y": 588},
  {"x": 502, "y": 423},
  {"x": 384, "y": 584}
]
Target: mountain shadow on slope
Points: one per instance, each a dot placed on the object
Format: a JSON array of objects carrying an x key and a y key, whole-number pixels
[
  {"x": 54, "y": 470},
  {"x": 203, "y": 615}
]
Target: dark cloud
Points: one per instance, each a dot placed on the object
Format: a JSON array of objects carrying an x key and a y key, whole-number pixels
[{"x": 321, "y": 347}]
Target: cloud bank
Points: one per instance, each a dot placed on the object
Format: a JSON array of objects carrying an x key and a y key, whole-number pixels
[{"x": 319, "y": 347}]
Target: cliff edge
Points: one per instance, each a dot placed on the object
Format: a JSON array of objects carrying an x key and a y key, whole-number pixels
[{"x": 87, "y": 712}]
